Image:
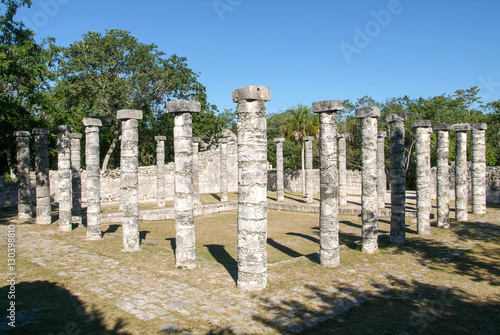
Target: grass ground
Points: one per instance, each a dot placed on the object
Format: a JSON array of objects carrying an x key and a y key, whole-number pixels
[{"x": 437, "y": 289}]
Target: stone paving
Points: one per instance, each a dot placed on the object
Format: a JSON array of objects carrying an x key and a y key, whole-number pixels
[{"x": 148, "y": 295}]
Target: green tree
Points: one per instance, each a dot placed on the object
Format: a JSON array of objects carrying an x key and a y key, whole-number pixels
[
  {"x": 25, "y": 71},
  {"x": 102, "y": 74}
]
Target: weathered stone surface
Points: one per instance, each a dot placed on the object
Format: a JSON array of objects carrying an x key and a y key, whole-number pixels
[
  {"x": 461, "y": 192},
  {"x": 24, "y": 209},
  {"x": 327, "y": 106},
  {"x": 280, "y": 186},
  {"x": 423, "y": 152},
  {"x": 196, "y": 171},
  {"x": 369, "y": 198},
  {"x": 478, "y": 168},
  {"x": 64, "y": 173},
  {"x": 128, "y": 114},
  {"x": 223, "y": 169},
  {"x": 43, "y": 209},
  {"x": 460, "y": 127},
  {"x": 185, "y": 252},
  {"x": 129, "y": 178},
  {"x": 76, "y": 178},
  {"x": 252, "y": 92},
  {"x": 92, "y": 162},
  {"x": 342, "y": 173},
  {"x": 252, "y": 196},
  {"x": 183, "y": 106},
  {"x": 367, "y": 112},
  {"x": 381, "y": 177},
  {"x": 442, "y": 174},
  {"x": 398, "y": 177},
  {"x": 328, "y": 217},
  {"x": 160, "y": 170},
  {"x": 308, "y": 146}
]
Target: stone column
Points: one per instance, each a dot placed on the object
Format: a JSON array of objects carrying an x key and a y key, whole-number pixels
[
  {"x": 478, "y": 134},
  {"x": 160, "y": 170},
  {"x": 398, "y": 177},
  {"x": 329, "y": 203},
  {"x": 92, "y": 162},
  {"x": 423, "y": 153},
  {"x": 369, "y": 197},
  {"x": 43, "y": 209},
  {"x": 252, "y": 186},
  {"x": 342, "y": 169},
  {"x": 461, "y": 169},
  {"x": 76, "y": 177},
  {"x": 64, "y": 175},
  {"x": 223, "y": 169},
  {"x": 24, "y": 209},
  {"x": 442, "y": 174},
  {"x": 280, "y": 186},
  {"x": 381, "y": 178},
  {"x": 185, "y": 252},
  {"x": 130, "y": 178},
  {"x": 308, "y": 144},
  {"x": 196, "y": 171},
  {"x": 121, "y": 174}
]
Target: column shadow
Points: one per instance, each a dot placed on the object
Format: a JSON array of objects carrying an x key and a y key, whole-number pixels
[{"x": 222, "y": 257}]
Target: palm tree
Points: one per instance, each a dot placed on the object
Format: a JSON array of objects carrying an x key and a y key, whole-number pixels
[{"x": 300, "y": 122}]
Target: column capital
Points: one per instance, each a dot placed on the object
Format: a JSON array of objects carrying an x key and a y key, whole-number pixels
[
  {"x": 126, "y": 114},
  {"x": 367, "y": 112},
  {"x": 396, "y": 118},
  {"x": 223, "y": 140},
  {"x": 342, "y": 135},
  {"x": 479, "y": 126},
  {"x": 62, "y": 128},
  {"x": 196, "y": 139},
  {"x": 421, "y": 124},
  {"x": 441, "y": 127},
  {"x": 160, "y": 138},
  {"x": 308, "y": 138},
  {"x": 382, "y": 134},
  {"x": 183, "y": 106},
  {"x": 22, "y": 133},
  {"x": 279, "y": 139},
  {"x": 252, "y": 92},
  {"x": 91, "y": 122},
  {"x": 460, "y": 127},
  {"x": 327, "y": 106},
  {"x": 75, "y": 136},
  {"x": 40, "y": 131}
]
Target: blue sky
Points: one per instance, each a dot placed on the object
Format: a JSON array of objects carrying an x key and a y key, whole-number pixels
[{"x": 305, "y": 51}]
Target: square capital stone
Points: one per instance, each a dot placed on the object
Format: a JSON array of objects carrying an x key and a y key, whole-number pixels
[
  {"x": 196, "y": 139},
  {"x": 327, "y": 106},
  {"x": 308, "y": 138},
  {"x": 40, "y": 131},
  {"x": 441, "y": 127},
  {"x": 421, "y": 124},
  {"x": 367, "y": 112},
  {"x": 62, "y": 129},
  {"x": 342, "y": 135},
  {"x": 223, "y": 140},
  {"x": 252, "y": 92},
  {"x": 91, "y": 122},
  {"x": 382, "y": 134},
  {"x": 479, "y": 126},
  {"x": 76, "y": 136},
  {"x": 396, "y": 118},
  {"x": 460, "y": 127},
  {"x": 127, "y": 114},
  {"x": 183, "y": 106},
  {"x": 279, "y": 139},
  {"x": 21, "y": 133},
  {"x": 160, "y": 138}
]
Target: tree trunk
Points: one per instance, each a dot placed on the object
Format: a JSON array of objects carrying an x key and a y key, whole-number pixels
[
  {"x": 303, "y": 174},
  {"x": 116, "y": 134}
]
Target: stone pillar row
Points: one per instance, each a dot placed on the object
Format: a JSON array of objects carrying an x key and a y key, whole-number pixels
[
  {"x": 76, "y": 178},
  {"x": 308, "y": 149},
  {"x": 442, "y": 174},
  {"x": 342, "y": 149},
  {"x": 24, "y": 209},
  {"x": 423, "y": 152},
  {"x": 64, "y": 174},
  {"x": 43, "y": 208},
  {"x": 160, "y": 170},
  {"x": 461, "y": 193},
  {"x": 280, "y": 186}
]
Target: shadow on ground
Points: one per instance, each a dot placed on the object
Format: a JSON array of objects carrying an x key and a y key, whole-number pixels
[{"x": 43, "y": 307}]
